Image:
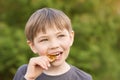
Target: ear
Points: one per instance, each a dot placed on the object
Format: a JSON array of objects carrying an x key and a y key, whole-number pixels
[
  {"x": 71, "y": 37},
  {"x": 31, "y": 45}
]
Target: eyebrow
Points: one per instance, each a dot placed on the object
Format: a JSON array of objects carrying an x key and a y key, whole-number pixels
[
  {"x": 40, "y": 37},
  {"x": 59, "y": 32}
]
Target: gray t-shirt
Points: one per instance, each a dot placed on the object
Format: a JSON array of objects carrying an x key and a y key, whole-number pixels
[{"x": 73, "y": 74}]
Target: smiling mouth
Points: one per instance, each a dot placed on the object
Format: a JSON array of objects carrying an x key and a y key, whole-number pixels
[{"x": 53, "y": 57}]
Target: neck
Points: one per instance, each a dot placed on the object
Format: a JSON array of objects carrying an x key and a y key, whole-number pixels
[{"x": 57, "y": 70}]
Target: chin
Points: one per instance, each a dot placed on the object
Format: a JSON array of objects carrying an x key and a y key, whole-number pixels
[{"x": 57, "y": 63}]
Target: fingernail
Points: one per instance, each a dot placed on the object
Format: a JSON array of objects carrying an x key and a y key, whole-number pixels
[{"x": 49, "y": 65}]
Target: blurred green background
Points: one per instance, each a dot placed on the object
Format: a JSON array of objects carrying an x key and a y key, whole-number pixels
[{"x": 96, "y": 23}]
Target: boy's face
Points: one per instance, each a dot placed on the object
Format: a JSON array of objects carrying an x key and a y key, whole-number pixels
[{"x": 52, "y": 42}]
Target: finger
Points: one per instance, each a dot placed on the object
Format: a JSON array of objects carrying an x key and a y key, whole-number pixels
[
  {"x": 43, "y": 62},
  {"x": 37, "y": 61},
  {"x": 48, "y": 62}
]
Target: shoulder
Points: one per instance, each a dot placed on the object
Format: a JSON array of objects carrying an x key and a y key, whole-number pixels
[
  {"x": 80, "y": 73},
  {"x": 23, "y": 68},
  {"x": 20, "y": 72}
]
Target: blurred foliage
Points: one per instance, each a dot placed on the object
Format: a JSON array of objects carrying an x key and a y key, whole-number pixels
[{"x": 96, "y": 23}]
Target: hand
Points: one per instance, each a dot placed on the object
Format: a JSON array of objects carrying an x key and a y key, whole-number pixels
[{"x": 36, "y": 66}]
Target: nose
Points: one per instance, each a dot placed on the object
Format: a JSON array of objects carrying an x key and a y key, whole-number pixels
[{"x": 54, "y": 44}]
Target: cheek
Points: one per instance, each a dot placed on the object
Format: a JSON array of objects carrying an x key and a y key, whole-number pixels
[
  {"x": 66, "y": 44},
  {"x": 41, "y": 50}
]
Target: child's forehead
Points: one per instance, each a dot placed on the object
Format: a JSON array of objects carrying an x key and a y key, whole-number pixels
[
  {"x": 53, "y": 30},
  {"x": 53, "y": 27}
]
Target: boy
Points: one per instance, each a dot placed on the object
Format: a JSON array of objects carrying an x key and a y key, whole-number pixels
[{"x": 49, "y": 34}]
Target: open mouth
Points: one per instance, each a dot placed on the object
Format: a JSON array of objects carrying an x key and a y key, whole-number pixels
[{"x": 53, "y": 57}]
